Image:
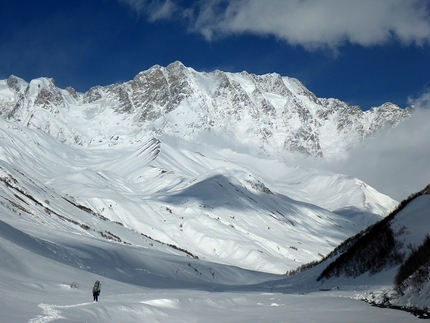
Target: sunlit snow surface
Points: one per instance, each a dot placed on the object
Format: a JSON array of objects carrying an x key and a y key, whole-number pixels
[{"x": 217, "y": 205}]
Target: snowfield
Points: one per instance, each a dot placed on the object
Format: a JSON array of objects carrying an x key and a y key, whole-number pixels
[{"x": 41, "y": 283}]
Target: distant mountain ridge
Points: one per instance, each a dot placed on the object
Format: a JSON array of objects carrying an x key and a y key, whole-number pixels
[{"x": 275, "y": 114}]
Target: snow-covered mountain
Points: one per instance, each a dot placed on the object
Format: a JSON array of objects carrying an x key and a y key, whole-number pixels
[
  {"x": 176, "y": 179},
  {"x": 269, "y": 113},
  {"x": 153, "y": 155}
]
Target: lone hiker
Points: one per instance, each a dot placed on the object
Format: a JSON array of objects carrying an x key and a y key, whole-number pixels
[{"x": 96, "y": 290}]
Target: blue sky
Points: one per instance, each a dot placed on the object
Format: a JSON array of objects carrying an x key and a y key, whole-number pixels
[{"x": 363, "y": 52}]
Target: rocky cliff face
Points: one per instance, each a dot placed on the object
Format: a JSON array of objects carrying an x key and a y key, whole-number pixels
[{"x": 273, "y": 113}]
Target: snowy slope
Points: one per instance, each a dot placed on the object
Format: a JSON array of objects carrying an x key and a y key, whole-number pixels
[
  {"x": 53, "y": 251},
  {"x": 178, "y": 194},
  {"x": 47, "y": 276},
  {"x": 381, "y": 252}
]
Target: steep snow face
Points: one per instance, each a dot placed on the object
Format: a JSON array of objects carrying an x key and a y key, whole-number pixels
[{"x": 275, "y": 114}]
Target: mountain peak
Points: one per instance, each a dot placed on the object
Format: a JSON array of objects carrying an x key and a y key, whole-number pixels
[
  {"x": 176, "y": 66},
  {"x": 16, "y": 84}
]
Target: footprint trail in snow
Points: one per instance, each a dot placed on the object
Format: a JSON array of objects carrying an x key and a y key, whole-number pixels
[{"x": 52, "y": 312}]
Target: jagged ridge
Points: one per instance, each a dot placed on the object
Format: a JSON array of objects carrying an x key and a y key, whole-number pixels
[{"x": 274, "y": 113}]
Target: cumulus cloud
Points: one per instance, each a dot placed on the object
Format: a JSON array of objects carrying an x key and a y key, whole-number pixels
[
  {"x": 310, "y": 23},
  {"x": 328, "y": 22}
]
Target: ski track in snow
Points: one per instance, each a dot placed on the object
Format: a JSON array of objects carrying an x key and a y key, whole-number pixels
[{"x": 52, "y": 312}]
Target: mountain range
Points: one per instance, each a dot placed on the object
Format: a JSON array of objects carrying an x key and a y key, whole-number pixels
[
  {"x": 269, "y": 113},
  {"x": 187, "y": 168}
]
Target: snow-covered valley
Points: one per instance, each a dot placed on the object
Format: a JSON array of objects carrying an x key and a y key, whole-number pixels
[{"x": 178, "y": 220}]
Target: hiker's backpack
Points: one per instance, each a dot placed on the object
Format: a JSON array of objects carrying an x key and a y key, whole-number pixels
[{"x": 96, "y": 287}]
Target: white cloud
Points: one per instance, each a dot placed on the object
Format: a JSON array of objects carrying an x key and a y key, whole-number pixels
[
  {"x": 137, "y": 5},
  {"x": 325, "y": 22},
  {"x": 395, "y": 162},
  {"x": 421, "y": 102},
  {"x": 154, "y": 9},
  {"x": 310, "y": 23}
]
